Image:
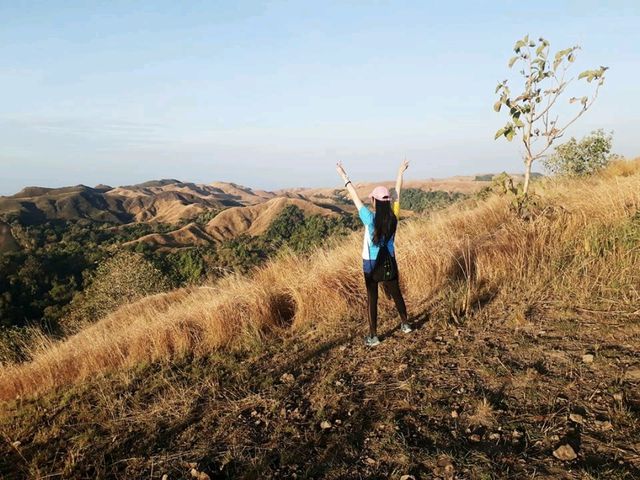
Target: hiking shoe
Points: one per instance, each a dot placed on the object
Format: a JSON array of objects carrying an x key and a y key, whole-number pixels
[
  {"x": 405, "y": 328},
  {"x": 371, "y": 341}
]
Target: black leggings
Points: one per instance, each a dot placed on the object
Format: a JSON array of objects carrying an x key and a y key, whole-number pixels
[{"x": 392, "y": 288}]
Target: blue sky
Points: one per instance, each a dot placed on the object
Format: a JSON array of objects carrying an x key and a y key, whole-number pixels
[{"x": 271, "y": 94}]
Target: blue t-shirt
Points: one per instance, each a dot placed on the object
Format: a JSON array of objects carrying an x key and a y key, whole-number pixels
[{"x": 369, "y": 249}]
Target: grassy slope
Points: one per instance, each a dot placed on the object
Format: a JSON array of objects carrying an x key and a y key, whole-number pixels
[{"x": 496, "y": 344}]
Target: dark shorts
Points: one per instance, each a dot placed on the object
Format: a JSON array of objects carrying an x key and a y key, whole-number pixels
[{"x": 367, "y": 266}]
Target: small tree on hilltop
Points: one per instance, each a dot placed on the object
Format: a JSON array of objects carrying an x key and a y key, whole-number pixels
[
  {"x": 585, "y": 157},
  {"x": 532, "y": 113},
  {"x": 122, "y": 278}
]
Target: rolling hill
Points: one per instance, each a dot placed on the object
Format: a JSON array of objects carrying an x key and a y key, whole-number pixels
[
  {"x": 169, "y": 201},
  {"x": 255, "y": 219}
]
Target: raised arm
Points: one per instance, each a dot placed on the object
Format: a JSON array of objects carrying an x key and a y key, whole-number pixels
[
  {"x": 349, "y": 186},
  {"x": 401, "y": 170}
]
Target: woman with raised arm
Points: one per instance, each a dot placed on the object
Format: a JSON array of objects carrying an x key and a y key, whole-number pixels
[{"x": 378, "y": 252}]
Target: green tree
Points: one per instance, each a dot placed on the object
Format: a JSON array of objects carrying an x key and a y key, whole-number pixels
[
  {"x": 286, "y": 223},
  {"x": 585, "y": 157},
  {"x": 532, "y": 112}
]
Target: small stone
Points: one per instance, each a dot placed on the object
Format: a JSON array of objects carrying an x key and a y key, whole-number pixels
[
  {"x": 633, "y": 375},
  {"x": 475, "y": 438},
  {"x": 577, "y": 418},
  {"x": 287, "y": 378},
  {"x": 370, "y": 461},
  {"x": 454, "y": 414},
  {"x": 325, "y": 425},
  {"x": 444, "y": 468},
  {"x": 516, "y": 435},
  {"x": 587, "y": 358},
  {"x": 494, "y": 436},
  {"x": 565, "y": 453},
  {"x": 603, "y": 426}
]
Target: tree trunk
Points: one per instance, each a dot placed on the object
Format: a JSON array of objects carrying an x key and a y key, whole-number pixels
[{"x": 527, "y": 176}]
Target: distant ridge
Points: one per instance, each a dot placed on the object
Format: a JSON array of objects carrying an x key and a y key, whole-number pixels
[{"x": 235, "y": 209}]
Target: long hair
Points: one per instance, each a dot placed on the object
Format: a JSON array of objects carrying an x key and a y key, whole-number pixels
[{"x": 384, "y": 223}]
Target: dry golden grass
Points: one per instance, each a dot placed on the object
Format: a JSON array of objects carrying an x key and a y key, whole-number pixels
[{"x": 451, "y": 263}]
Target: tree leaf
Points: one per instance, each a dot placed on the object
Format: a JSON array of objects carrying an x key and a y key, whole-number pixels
[
  {"x": 510, "y": 134},
  {"x": 499, "y": 133},
  {"x": 512, "y": 61},
  {"x": 497, "y": 105},
  {"x": 541, "y": 47},
  {"x": 586, "y": 73}
]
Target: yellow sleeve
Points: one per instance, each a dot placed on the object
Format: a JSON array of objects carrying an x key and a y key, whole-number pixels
[{"x": 396, "y": 209}]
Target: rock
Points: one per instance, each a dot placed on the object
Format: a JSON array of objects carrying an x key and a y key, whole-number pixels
[
  {"x": 287, "y": 378},
  {"x": 444, "y": 468},
  {"x": 587, "y": 358},
  {"x": 577, "y": 418},
  {"x": 325, "y": 425},
  {"x": 603, "y": 425},
  {"x": 565, "y": 453},
  {"x": 633, "y": 375},
  {"x": 199, "y": 475}
]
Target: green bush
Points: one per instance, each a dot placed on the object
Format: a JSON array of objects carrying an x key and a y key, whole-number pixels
[
  {"x": 120, "y": 279},
  {"x": 419, "y": 200},
  {"x": 585, "y": 157}
]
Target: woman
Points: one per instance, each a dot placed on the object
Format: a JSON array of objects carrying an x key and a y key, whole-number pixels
[{"x": 378, "y": 253}]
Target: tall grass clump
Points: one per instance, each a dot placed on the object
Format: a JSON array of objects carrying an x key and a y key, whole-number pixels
[{"x": 579, "y": 249}]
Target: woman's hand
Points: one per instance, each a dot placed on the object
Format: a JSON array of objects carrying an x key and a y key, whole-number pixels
[
  {"x": 341, "y": 172},
  {"x": 403, "y": 167}
]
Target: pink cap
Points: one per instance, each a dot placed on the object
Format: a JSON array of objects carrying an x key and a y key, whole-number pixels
[{"x": 380, "y": 193}]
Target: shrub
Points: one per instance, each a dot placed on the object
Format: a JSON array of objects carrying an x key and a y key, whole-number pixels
[
  {"x": 121, "y": 279},
  {"x": 419, "y": 200},
  {"x": 585, "y": 157}
]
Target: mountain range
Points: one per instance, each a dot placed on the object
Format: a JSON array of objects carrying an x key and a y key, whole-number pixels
[{"x": 229, "y": 209}]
